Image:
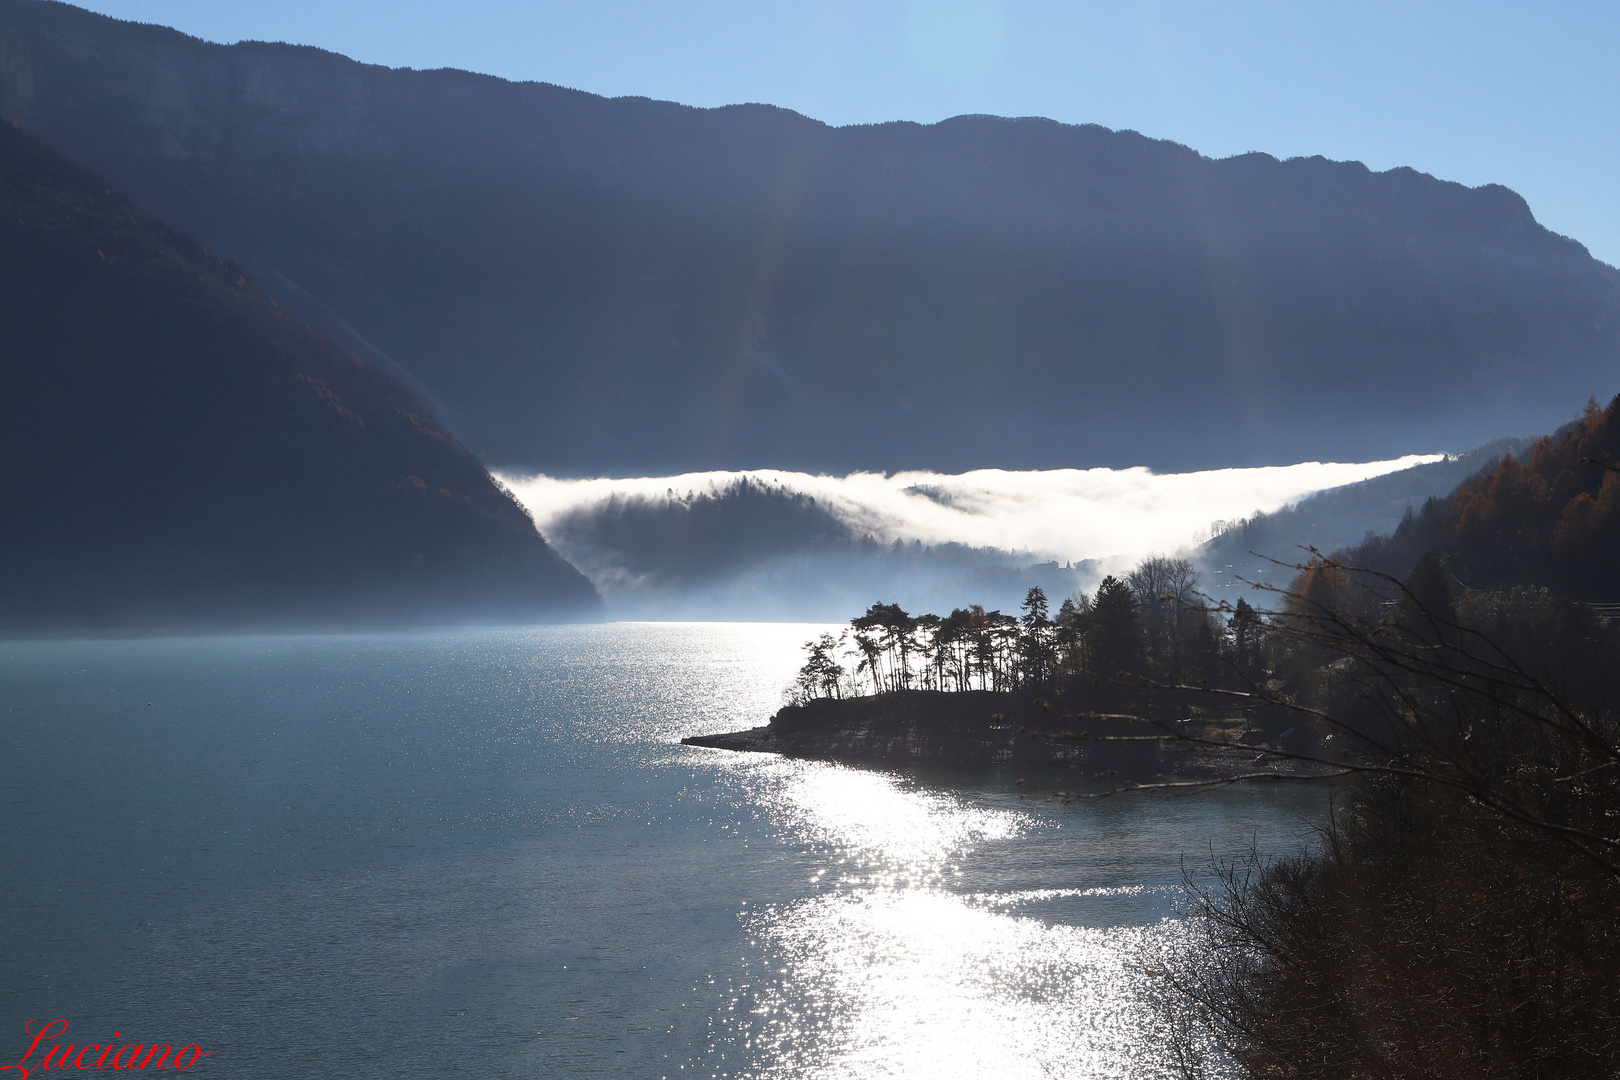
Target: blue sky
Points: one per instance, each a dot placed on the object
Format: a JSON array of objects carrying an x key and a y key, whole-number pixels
[{"x": 1522, "y": 94}]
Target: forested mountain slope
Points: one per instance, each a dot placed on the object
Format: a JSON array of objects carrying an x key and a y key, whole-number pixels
[
  {"x": 1262, "y": 548},
  {"x": 180, "y": 451},
  {"x": 1550, "y": 520},
  {"x": 627, "y": 286}
]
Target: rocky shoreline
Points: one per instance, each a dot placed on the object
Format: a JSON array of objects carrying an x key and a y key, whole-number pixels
[
  {"x": 967, "y": 730},
  {"x": 975, "y": 731}
]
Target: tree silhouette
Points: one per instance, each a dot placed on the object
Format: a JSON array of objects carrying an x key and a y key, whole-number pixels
[
  {"x": 1037, "y": 644},
  {"x": 1247, "y": 634},
  {"x": 1166, "y": 593},
  {"x": 1116, "y": 638},
  {"x": 822, "y": 676}
]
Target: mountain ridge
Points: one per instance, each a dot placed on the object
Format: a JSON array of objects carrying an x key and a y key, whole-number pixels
[
  {"x": 186, "y": 453},
  {"x": 623, "y": 286}
]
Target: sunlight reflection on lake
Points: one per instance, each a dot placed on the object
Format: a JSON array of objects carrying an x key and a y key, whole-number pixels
[
  {"x": 871, "y": 814},
  {"x": 485, "y": 851},
  {"x": 890, "y": 973},
  {"x": 919, "y": 983}
]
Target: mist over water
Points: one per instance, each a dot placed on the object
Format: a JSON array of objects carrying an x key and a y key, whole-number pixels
[{"x": 1064, "y": 514}]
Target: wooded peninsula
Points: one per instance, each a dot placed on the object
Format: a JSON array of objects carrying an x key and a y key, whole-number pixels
[{"x": 1457, "y": 916}]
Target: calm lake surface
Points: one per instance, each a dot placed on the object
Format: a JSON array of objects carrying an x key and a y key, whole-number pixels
[{"x": 410, "y": 853}]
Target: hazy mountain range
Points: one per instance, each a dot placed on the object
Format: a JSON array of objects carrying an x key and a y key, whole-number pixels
[
  {"x": 579, "y": 286},
  {"x": 590, "y": 286},
  {"x": 180, "y": 451}
]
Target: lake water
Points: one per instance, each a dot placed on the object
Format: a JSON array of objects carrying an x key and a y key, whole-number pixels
[{"x": 484, "y": 851}]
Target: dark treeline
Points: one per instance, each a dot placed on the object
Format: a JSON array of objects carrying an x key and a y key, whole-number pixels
[
  {"x": 1151, "y": 620},
  {"x": 1460, "y": 916}
]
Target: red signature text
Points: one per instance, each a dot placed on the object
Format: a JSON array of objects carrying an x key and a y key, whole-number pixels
[{"x": 96, "y": 1056}]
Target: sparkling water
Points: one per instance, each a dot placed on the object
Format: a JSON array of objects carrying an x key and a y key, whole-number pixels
[{"x": 412, "y": 853}]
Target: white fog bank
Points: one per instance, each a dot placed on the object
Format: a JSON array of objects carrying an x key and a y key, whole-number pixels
[{"x": 1065, "y": 514}]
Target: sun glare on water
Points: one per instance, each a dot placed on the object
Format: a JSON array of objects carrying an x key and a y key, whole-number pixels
[{"x": 890, "y": 971}]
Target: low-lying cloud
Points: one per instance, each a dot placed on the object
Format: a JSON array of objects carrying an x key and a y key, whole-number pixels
[{"x": 1065, "y": 514}]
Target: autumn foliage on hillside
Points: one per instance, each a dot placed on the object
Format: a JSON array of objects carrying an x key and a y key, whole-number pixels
[
  {"x": 1458, "y": 916},
  {"x": 1552, "y": 520}
]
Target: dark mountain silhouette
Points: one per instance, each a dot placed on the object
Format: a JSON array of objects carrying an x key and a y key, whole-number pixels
[
  {"x": 588, "y": 285},
  {"x": 695, "y": 537},
  {"x": 179, "y": 450}
]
